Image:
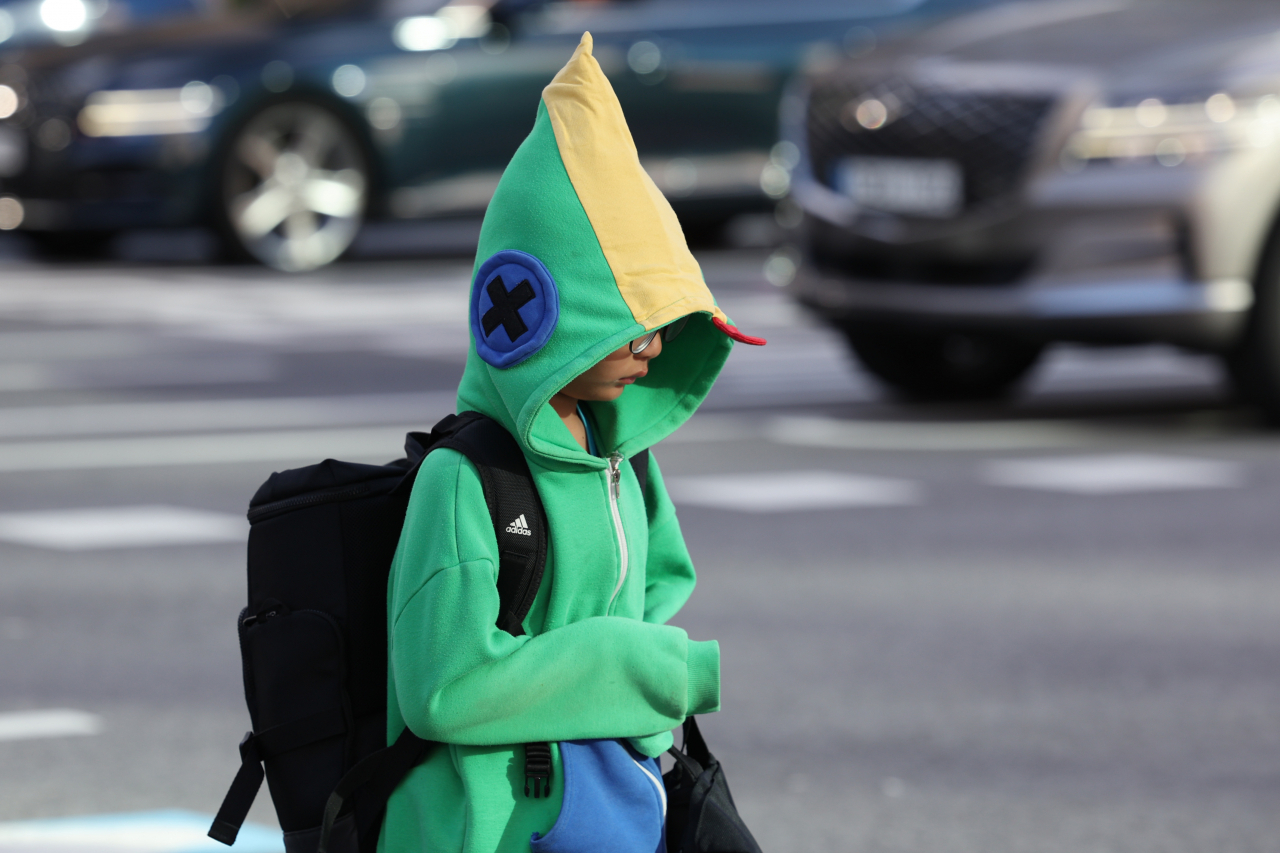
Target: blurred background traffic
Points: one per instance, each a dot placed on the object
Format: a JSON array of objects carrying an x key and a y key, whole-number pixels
[
  {"x": 958, "y": 183},
  {"x": 985, "y": 530}
]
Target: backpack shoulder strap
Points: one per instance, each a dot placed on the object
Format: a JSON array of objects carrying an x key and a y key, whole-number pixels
[
  {"x": 519, "y": 521},
  {"x": 520, "y": 524},
  {"x": 640, "y": 465}
]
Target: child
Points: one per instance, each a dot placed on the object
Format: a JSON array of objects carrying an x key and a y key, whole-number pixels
[{"x": 593, "y": 338}]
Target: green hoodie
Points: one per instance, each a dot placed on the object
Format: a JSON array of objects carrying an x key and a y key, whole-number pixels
[{"x": 607, "y": 263}]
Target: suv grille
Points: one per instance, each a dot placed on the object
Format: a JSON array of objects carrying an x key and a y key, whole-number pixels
[
  {"x": 915, "y": 268},
  {"x": 989, "y": 135}
]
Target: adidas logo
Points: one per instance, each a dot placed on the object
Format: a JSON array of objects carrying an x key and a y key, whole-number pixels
[{"x": 520, "y": 527}]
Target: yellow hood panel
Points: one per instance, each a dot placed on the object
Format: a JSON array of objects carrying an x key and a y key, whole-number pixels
[{"x": 638, "y": 231}]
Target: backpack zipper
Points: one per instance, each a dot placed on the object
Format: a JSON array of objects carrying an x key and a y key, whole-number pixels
[{"x": 613, "y": 478}]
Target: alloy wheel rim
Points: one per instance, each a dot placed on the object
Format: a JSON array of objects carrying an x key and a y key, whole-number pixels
[{"x": 296, "y": 187}]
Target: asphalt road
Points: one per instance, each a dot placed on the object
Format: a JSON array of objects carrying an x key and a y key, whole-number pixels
[{"x": 1044, "y": 626}]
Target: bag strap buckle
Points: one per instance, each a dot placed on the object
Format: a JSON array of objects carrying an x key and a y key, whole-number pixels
[{"x": 537, "y": 769}]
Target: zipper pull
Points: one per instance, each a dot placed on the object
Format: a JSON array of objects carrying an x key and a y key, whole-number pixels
[{"x": 615, "y": 474}]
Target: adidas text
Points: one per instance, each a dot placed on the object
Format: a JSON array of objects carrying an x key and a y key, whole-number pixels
[{"x": 520, "y": 527}]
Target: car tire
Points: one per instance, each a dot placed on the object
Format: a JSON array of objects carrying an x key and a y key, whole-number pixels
[
  {"x": 929, "y": 365},
  {"x": 72, "y": 245},
  {"x": 292, "y": 187}
]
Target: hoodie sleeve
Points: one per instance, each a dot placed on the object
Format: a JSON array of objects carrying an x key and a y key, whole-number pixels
[
  {"x": 459, "y": 679},
  {"x": 669, "y": 574}
]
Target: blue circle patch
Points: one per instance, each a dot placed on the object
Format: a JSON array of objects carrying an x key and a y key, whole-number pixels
[{"x": 514, "y": 308}]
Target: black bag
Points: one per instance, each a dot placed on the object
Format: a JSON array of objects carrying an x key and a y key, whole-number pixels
[
  {"x": 701, "y": 815},
  {"x": 313, "y": 640}
]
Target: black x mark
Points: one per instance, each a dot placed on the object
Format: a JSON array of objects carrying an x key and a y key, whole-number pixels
[{"x": 506, "y": 308}]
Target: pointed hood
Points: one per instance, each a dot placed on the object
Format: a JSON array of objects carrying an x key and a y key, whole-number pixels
[{"x": 579, "y": 254}]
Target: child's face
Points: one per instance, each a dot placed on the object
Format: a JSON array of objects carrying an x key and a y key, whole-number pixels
[{"x": 611, "y": 375}]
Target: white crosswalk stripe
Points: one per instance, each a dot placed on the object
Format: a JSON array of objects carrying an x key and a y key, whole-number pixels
[
  {"x": 120, "y": 527},
  {"x": 923, "y": 436},
  {"x": 792, "y": 491},
  {"x": 367, "y": 444},
  {"x": 1114, "y": 474},
  {"x": 207, "y": 415},
  {"x": 53, "y": 722}
]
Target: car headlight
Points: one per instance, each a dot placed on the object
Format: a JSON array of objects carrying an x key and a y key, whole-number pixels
[
  {"x": 64, "y": 16},
  {"x": 150, "y": 112},
  {"x": 1173, "y": 134},
  {"x": 443, "y": 29}
]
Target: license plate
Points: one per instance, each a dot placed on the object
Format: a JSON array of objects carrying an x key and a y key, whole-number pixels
[{"x": 903, "y": 185}]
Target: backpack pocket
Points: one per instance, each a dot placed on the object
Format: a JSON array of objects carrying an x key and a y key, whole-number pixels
[
  {"x": 296, "y": 682},
  {"x": 613, "y": 800}
]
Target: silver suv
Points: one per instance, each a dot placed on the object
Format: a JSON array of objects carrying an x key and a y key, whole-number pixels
[{"x": 1091, "y": 170}]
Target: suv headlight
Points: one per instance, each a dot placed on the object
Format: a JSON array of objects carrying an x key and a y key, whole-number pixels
[
  {"x": 150, "y": 112},
  {"x": 1173, "y": 134}
]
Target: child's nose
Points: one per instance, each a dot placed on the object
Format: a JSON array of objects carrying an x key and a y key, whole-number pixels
[{"x": 653, "y": 350}]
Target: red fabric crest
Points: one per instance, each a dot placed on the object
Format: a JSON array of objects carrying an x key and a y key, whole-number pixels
[{"x": 732, "y": 331}]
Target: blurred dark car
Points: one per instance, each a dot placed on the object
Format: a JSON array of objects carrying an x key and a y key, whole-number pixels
[
  {"x": 286, "y": 132},
  {"x": 1093, "y": 171},
  {"x": 27, "y": 22}
]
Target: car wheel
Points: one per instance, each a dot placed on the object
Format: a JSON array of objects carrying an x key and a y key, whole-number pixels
[
  {"x": 942, "y": 365},
  {"x": 293, "y": 187},
  {"x": 72, "y": 245}
]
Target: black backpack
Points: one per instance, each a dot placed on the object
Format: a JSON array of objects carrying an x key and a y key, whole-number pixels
[{"x": 313, "y": 640}]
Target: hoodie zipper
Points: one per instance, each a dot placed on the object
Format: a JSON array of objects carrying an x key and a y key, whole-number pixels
[{"x": 614, "y": 479}]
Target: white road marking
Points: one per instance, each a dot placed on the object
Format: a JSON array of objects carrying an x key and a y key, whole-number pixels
[
  {"x": 764, "y": 310},
  {"x": 54, "y": 722},
  {"x": 260, "y": 305},
  {"x": 797, "y": 366},
  {"x": 1115, "y": 474},
  {"x": 379, "y": 444},
  {"x": 144, "y": 832},
  {"x": 1146, "y": 368},
  {"x": 405, "y": 308},
  {"x": 26, "y": 377},
  {"x": 790, "y": 491},
  {"x": 205, "y": 415},
  {"x": 369, "y": 444},
  {"x": 70, "y": 344},
  {"x": 168, "y": 369},
  {"x": 120, "y": 527},
  {"x": 715, "y": 428},
  {"x": 909, "y": 435},
  {"x": 254, "y": 305}
]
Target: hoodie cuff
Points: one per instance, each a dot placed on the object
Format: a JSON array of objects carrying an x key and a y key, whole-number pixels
[
  {"x": 651, "y": 746},
  {"x": 704, "y": 677}
]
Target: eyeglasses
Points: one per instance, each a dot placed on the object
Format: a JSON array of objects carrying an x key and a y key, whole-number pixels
[{"x": 668, "y": 333}]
